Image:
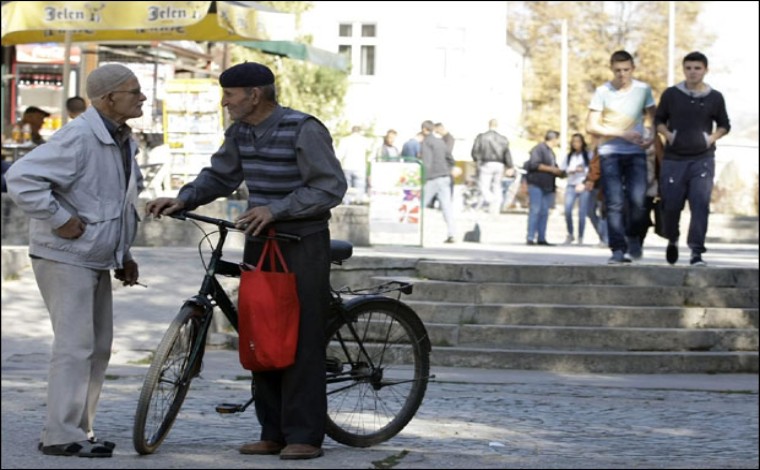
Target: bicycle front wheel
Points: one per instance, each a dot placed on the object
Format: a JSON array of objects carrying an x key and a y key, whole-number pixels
[
  {"x": 378, "y": 361},
  {"x": 168, "y": 380}
]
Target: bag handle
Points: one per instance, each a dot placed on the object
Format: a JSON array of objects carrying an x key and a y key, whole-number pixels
[{"x": 272, "y": 248}]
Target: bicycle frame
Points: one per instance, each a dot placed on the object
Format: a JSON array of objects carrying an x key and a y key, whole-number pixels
[
  {"x": 372, "y": 341},
  {"x": 212, "y": 294}
]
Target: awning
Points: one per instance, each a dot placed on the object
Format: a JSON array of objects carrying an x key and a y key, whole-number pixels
[
  {"x": 299, "y": 51},
  {"x": 40, "y": 22}
]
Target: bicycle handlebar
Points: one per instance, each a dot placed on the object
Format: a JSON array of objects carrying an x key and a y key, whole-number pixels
[{"x": 289, "y": 237}]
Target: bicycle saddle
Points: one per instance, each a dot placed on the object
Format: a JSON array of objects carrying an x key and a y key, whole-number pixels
[{"x": 340, "y": 250}]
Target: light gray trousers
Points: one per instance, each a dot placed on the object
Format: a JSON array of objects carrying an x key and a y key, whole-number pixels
[{"x": 80, "y": 305}]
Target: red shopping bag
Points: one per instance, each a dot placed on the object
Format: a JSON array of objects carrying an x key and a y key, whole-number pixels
[{"x": 268, "y": 313}]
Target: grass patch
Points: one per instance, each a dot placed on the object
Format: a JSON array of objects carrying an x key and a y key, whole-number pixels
[
  {"x": 147, "y": 360},
  {"x": 390, "y": 461}
]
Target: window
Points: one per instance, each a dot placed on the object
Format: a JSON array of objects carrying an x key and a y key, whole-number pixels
[
  {"x": 345, "y": 51},
  {"x": 359, "y": 45},
  {"x": 345, "y": 30},
  {"x": 368, "y": 31},
  {"x": 450, "y": 54},
  {"x": 368, "y": 60}
]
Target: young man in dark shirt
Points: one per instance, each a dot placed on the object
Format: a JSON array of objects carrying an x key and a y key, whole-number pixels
[{"x": 685, "y": 118}]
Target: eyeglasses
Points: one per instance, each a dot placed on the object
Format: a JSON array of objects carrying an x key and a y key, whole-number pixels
[{"x": 136, "y": 91}]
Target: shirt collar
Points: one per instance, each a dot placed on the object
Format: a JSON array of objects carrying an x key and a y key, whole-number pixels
[
  {"x": 262, "y": 128},
  {"x": 120, "y": 132}
]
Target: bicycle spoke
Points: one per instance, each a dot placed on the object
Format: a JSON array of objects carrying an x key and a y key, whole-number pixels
[
  {"x": 388, "y": 360},
  {"x": 167, "y": 382}
]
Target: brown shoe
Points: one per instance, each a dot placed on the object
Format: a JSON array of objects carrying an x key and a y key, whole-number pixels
[
  {"x": 262, "y": 448},
  {"x": 300, "y": 452}
]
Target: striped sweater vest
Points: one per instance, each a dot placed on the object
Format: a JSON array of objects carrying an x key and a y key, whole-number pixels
[{"x": 269, "y": 164}]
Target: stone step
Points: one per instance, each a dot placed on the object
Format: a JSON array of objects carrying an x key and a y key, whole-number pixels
[
  {"x": 605, "y": 362},
  {"x": 512, "y": 226},
  {"x": 506, "y": 293},
  {"x": 635, "y": 275},
  {"x": 596, "y": 338},
  {"x": 582, "y": 315},
  {"x": 732, "y": 229}
]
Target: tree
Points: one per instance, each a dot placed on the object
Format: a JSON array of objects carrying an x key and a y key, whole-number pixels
[
  {"x": 310, "y": 88},
  {"x": 595, "y": 30}
]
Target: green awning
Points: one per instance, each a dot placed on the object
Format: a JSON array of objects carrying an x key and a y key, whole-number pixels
[{"x": 299, "y": 51}]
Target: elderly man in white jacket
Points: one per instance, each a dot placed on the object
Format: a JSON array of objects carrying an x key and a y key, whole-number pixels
[{"x": 80, "y": 191}]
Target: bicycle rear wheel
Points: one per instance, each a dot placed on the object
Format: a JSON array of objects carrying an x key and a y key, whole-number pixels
[
  {"x": 166, "y": 383},
  {"x": 373, "y": 393}
]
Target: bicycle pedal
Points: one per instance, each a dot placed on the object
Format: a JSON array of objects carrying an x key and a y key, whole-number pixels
[{"x": 228, "y": 408}]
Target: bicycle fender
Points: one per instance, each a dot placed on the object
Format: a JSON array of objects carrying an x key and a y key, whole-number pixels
[
  {"x": 388, "y": 303},
  {"x": 200, "y": 301}
]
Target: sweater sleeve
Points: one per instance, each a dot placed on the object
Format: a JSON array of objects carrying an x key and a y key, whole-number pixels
[
  {"x": 662, "y": 115},
  {"x": 721, "y": 119}
]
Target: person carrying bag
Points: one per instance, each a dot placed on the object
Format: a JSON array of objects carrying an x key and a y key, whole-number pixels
[{"x": 268, "y": 309}]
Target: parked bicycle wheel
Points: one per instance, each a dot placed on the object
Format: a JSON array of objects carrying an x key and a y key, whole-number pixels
[
  {"x": 375, "y": 388},
  {"x": 167, "y": 380}
]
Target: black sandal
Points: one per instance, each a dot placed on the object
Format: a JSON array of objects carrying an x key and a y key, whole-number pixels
[
  {"x": 93, "y": 440},
  {"x": 106, "y": 444},
  {"x": 61, "y": 449},
  {"x": 97, "y": 450},
  {"x": 74, "y": 448}
]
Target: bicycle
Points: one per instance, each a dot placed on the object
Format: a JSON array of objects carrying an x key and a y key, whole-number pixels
[{"x": 378, "y": 355}]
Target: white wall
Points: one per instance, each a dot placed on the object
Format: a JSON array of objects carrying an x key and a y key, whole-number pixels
[{"x": 410, "y": 84}]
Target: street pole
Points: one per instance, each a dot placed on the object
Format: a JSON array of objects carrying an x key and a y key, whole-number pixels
[
  {"x": 671, "y": 41},
  {"x": 563, "y": 92},
  {"x": 66, "y": 78}
]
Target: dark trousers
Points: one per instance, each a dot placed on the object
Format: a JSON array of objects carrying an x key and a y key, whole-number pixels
[
  {"x": 682, "y": 180},
  {"x": 291, "y": 404}
]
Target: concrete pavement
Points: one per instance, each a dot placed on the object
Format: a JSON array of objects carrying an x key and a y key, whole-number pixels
[{"x": 470, "y": 418}]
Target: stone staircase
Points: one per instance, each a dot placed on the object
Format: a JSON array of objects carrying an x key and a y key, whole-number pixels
[{"x": 600, "y": 319}]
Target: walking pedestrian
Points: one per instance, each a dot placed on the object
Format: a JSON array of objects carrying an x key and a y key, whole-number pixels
[
  {"x": 293, "y": 179},
  {"x": 692, "y": 116},
  {"x": 616, "y": 117},
  {"x": 595, "y": 210},
  {"x": 439, "y": 165}
]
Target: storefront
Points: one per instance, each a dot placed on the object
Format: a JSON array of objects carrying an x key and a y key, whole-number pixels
[{"x": 36, "y": 79}]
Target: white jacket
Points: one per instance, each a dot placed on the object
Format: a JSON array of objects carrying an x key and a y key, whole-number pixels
[{"x": 79, "y": 171}]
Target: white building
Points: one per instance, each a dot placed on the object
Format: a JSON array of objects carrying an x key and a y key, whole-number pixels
[{"x": 411, "y": 61}]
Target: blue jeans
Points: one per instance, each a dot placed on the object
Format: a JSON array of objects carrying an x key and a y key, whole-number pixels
[
  {"x": 570, "y": 197},
  {"x": 595, "y": 212},
  {"x": 538, "y": 212},
  {"x": 624, "y": 179}
]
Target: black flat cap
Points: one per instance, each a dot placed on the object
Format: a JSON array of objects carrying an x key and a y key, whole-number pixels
[
  {"x": 247, "y": 74},
  {"x": 35, "y": 109}
]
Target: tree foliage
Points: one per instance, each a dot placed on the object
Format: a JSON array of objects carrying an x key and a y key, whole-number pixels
[
  {"x": 595, "y": 30},
  {"x": 304, "y": 86}
]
